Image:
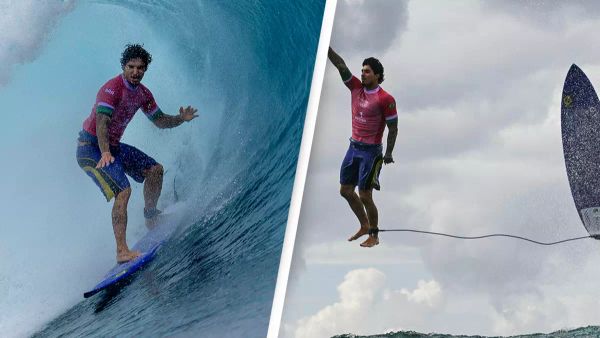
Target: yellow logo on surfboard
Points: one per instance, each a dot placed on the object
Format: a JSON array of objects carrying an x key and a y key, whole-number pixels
[{"x": 567, "y": 101}]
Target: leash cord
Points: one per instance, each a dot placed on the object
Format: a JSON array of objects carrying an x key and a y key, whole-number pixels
[{"x": 487, "y": 236}]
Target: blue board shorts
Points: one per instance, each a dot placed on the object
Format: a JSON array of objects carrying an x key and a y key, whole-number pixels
[
  {"x": 111, "y": 179},
  {"x": 362, "y": 165}
]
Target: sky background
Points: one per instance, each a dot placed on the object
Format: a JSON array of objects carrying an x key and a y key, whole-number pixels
[{"x": 478, "y": 88}]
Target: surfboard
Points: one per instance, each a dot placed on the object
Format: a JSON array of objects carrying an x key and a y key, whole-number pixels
[
  {"x": 148, "y": 245},
  {"x": 580, "y": 125}
]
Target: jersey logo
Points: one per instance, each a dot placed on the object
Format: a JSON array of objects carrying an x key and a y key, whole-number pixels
[
  {"x": 360, "y": 118},
  {"x": 110, "y": 91},
  {"x": 392, "y": 105}
]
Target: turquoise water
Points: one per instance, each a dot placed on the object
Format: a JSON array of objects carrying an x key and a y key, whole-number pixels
[
  {"x": 249, "y": 64},
  {"x": 588, "y": 332}
]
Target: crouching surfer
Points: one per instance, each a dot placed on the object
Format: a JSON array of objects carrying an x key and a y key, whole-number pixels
[{"x": 107, "y": 161}]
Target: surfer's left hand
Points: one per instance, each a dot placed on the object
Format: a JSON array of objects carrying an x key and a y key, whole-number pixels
[
  {"x": 188, "y": 114},
  {"x": 387, "y": 159}
]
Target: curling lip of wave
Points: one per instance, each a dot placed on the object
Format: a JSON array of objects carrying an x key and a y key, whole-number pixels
[
  {"x": 217, "y": 274},
  {"x": 22, "y": 43}
]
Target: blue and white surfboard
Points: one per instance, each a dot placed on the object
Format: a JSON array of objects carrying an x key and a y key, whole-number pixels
[{"x": 148, "y": 246}]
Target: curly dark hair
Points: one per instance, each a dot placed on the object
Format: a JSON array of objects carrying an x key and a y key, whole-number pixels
[
  {"x": 376, "y": 66},
  {"x": 134, "y": 51}
]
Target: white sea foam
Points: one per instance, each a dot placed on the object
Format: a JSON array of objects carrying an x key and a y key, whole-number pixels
[{"x": 24, "y": 29}]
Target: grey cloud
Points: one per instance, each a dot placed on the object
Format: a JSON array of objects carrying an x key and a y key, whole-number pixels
[
  {"x": 548, "y": 13},
  {"x": 369, "y": 27},
  {"x": 478, "y": 88}
]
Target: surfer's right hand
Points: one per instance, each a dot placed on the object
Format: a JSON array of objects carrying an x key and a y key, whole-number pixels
[{"x": 105, "y": 160}]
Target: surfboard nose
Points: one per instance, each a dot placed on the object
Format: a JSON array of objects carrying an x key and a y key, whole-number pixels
[{"x": 578, "y": 91}]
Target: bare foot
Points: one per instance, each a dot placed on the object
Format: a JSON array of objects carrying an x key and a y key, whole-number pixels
[
  {"x": 126, "y": 256},
  {"x": 361, "y": 232},
  {"x": 370, "y": 242}
]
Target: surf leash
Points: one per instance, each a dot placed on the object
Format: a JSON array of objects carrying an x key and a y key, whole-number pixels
[{"x": 376, "y": 231}]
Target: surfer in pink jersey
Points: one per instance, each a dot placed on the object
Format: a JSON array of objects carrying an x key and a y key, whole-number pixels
[
  {"x": 372, "y": 110},
  {"x": 107, "y": 161}
]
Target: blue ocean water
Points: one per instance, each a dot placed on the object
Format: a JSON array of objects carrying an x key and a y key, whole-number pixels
[
  {"x": 250, "y": 63},
  {"x": 582, "y": 332}
]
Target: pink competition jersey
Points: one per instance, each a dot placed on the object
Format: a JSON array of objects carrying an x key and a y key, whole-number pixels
[
  {"x": 118, "y": 99},
  {"x": 370, "y": 110}
]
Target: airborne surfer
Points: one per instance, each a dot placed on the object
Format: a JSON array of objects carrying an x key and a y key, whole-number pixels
[
  {"x": 372, "y": 109},
  {"x": 106, "y": 160}
]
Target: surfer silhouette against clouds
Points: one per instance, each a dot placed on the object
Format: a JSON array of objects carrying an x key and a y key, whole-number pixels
[
  {"x": 372, "y": 109},
  {"x": 106, "y": 160}
]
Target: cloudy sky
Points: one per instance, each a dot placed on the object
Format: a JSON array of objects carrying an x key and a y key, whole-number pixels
[{"x": 478, "y": 87}]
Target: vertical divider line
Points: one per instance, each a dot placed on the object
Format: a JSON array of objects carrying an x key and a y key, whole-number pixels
[{"x": 301, "y": 169}]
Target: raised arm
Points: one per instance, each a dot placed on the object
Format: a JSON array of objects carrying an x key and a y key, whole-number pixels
[
  {"x": 171, "y": 121},
  {"x": 339, "y": 63}
]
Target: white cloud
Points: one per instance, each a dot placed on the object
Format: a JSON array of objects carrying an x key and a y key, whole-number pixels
[
  {"x": 366, "y": 304},
  {"x": 357, "y": 292},
  {"x": 426, "y": 293}
]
